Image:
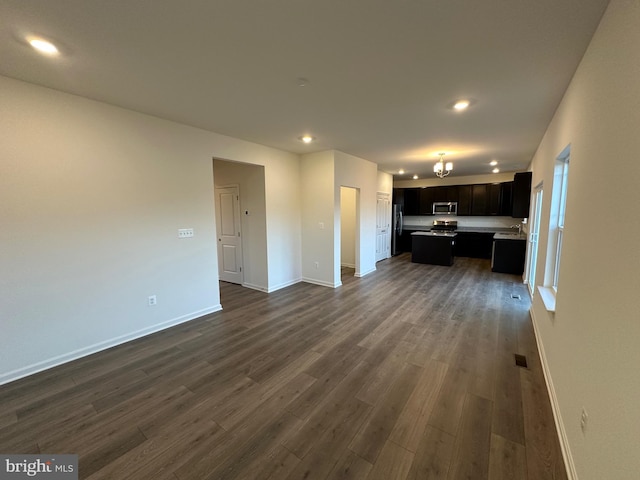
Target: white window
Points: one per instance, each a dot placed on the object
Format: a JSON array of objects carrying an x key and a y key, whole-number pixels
[
  {"x": 534, "y": 231},
  {"x": 556, "y": 226}
]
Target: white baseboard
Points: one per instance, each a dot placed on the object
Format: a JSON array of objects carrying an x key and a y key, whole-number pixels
[
  {"x": 283, "y": 285},
  {"x": 98, "y": 347},
  {"x": 322, "y": 283},
  {"x": 348, "y": 265},
  {"x": 362, "y": 274},
  {"x": 555, "y": 406},
  {"x": 255, "y": 287}
]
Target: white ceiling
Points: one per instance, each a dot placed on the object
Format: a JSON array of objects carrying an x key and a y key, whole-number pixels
[{"x": 382, "y": 74}]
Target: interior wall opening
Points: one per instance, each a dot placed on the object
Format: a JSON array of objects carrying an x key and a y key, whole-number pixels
[
  {"x": 240, "y": 207},
  {"x": 348, "y": 231}
]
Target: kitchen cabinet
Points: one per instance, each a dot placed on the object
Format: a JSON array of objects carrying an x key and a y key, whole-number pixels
[
  {"x": 488, "y": 199},
  {"x": 412, "y": 201},
  {"x": 521, "y": 195},
  {"x": 445, "y": 193},
  {"x": 429, "y": 195},
  {"x": 474, "y": 244},
  {"x": 405, "y": 241},
  {"x": 464, "y": 199},
  {"x": 483, "y": 199},
  {"x": 479, "y": 199},
  {"x": 439, "y": 193},
  {"x": 398, "y": 197},
  {"x": 426, "y": 201},
  {"x": 506, "y": 199},
  {"x": 508, "y": 256},
  {"x": 494, "y": 196},
  {"x": 451, "y": 193}
]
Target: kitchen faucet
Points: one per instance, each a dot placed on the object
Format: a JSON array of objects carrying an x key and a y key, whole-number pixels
[{"x": 518, "y": 226}]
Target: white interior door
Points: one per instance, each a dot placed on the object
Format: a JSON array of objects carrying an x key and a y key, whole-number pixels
[
  {"x": 383, "y": 227},
  {"x": 229, "y": 235}
]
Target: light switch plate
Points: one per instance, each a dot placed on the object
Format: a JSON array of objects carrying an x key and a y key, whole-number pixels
[{"x": 185, "y": 232}]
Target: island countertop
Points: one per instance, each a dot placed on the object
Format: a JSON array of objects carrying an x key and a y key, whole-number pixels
[{"x": 436, "y": 234}]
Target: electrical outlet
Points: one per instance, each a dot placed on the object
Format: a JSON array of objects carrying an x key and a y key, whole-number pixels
[
  {"x": 584, "y": 419},
  {"x": 321, "y": 225},
  {"x": 317, "y": 264},
  {"x": 153, "y": 300},
  {"x": 185, "y": 232}
]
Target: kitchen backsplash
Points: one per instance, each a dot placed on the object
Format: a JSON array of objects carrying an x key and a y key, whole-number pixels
[{"x": 501, "y": 222}]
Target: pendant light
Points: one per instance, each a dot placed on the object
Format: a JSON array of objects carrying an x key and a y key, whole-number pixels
[{"x": 442, "y": 169}]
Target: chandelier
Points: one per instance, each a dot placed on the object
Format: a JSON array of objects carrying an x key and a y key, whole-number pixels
[{"x": 442, "y": 169}]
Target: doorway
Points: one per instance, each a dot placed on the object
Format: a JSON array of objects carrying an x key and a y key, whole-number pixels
[
  {"x": 250, "y": 271},
  {"x": 229, "y": 231},
  {"x": 348, "y": 231}
]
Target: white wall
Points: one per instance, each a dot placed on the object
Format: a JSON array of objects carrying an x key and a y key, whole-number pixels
[
  {"x": 358, "y": 173},
  {"x": 318, "y": 229},
  {"x": 590, "y": 345},
  {"x": 284, "y": 212},
  {"x": 322, "y": 175},
  {"x": 385, "y": 182},
  {"x": 91, "y": 197},
  {"x": 250, "y": 179},
  {"x": 348, "y": 227},
  {"x": 283, "y": 204}
]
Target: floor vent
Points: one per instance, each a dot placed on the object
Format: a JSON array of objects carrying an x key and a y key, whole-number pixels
[
  {"x": 521, "y": 361},
  {"x": 516, "y": 296}
]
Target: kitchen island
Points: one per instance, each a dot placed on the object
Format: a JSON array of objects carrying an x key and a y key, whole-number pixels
[{"x": 434, "y": 248}]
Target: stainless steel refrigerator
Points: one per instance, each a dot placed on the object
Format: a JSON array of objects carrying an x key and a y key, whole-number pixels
[{"x": 396, "y": 247}]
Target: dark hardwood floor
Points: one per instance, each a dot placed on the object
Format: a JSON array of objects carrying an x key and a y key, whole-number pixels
[{"x": 406, "y": 373}]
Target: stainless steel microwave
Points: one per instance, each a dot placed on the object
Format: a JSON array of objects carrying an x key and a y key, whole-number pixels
[{"x": 445, "y": 208}]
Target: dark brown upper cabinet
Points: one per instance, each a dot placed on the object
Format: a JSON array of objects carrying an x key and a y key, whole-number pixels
[{"x": 521, "y": 195}]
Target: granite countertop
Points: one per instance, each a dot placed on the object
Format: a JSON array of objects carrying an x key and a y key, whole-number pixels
[
  {"x": 510, "y": 236},
  {"x": 435, "y": 234},
  {"x": 427, "y": 228}
]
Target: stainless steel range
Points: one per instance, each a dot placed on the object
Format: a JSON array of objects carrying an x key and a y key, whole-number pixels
[
  {"x": 435, "y": 247},
  {"x": 444, "y": 226}
]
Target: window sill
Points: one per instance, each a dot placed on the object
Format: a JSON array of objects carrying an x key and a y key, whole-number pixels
[{"x": 548, "y": 296}]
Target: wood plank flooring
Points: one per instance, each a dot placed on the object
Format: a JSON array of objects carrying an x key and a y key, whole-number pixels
[{"x": 407, "y": 373}]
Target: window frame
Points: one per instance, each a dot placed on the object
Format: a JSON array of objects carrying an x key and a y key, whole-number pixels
[{"x": 562, "y": 174}]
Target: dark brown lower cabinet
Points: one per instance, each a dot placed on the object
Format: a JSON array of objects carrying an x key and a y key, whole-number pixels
[
  {"x": 508, "y": 256},
  {"x": 474, "y": 244}
]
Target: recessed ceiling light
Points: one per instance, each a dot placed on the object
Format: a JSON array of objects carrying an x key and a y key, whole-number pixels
[
  {"x": 415, "y": 177},
  {"x": 306, "y": 138},
  {"x": 496, "y": 170},
  {"x": 43, "y": 46},
  {"x": 493, "y": 163},
  {"x": 401, "y": 171},
  {"x": 461, "y": 105}
]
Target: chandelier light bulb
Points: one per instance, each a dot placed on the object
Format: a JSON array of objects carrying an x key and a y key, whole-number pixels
[{"x": 441, "y": 169}]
